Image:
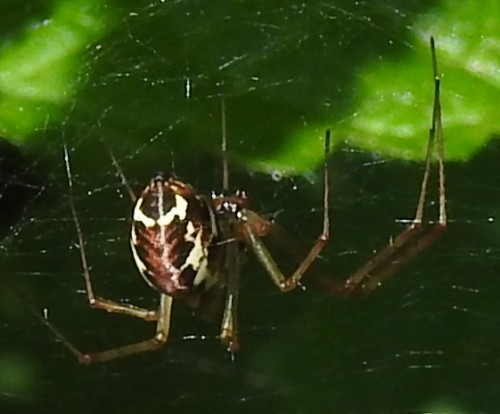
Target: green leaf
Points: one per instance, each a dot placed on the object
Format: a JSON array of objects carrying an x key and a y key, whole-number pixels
[
  {"x": 393, "y": 99},
  {"x": 39, "y": 73}
]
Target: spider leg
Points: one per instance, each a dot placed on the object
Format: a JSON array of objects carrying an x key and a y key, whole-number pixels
[
  {"x": 416, "y": 237},
  {"x": 160, "y": 338},
  {"x": 397, "y": 253},
  {"x": 229, "y": 325},
  {"x": 250, "y": 221},
  {"x": 123, "y": 179},
  {"x": 97, "y": 302}
]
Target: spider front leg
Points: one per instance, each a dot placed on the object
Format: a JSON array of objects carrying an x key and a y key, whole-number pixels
[
  {"x": 391, "y": 258},
  {"x": 253, "y": 227},
  {"x": 416, "y": 237}
]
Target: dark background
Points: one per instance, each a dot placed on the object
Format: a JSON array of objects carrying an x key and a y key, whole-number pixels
[{"x": 425, "y": 342}]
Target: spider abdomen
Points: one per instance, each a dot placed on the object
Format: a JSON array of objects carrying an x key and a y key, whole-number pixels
[{"x": 172, "y": 230}]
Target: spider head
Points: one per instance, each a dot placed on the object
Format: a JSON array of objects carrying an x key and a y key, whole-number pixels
[
  {"x": 237, "y": 205},
  {"x": 231, "y": 204}
]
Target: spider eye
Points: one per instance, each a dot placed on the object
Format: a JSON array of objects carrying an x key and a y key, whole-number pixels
[
  {"x": 158, "y": 178},
  {"x": 242, "y": 194}
]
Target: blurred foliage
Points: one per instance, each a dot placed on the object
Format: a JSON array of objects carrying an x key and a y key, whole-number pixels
[
  {"x": 39, "y": 67},
  {"x": 380, "y": 102}
]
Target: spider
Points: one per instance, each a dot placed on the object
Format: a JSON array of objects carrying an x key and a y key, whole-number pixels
[{"x": 184, "y": 243}]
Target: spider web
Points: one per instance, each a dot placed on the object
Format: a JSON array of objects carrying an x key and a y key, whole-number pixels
[{"x": 151, "y": 96}]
